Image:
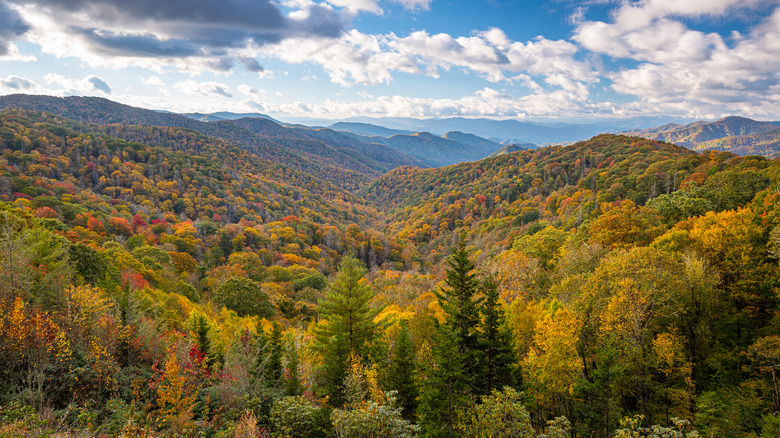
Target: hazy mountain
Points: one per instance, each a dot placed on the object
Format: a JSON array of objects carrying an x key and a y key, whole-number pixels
[
  {"x": 235, "y": 116},
  {"x": 434, "y": 150},
  {"x": 477, "y": 143},
  {"x": 203, "y": 117},
  {"x": 377, "y": 150},
  {"x": 367, "y": 129},
  {"x": 514, "y": 147},
  {"x": 739, "y": 135}
]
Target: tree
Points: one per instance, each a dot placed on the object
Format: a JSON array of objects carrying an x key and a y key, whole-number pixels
[
  {"x": 625, "y": 225},
  {"x": 495, "y": 340},
  {"x": 347, "y": 325},
  {"x": 501, "y": 414},
  {"x": 201, "y": 329},
  {"x": 401, "y": 373},
  {"x": 244, "y": 296},
  {"x": 450, "y": 379},
  {"x": 461, "y": 312},
  {"x": 292, "y": 385},
  {"x": 552, "y": 366},
  {"x": 273, "y": 367}
]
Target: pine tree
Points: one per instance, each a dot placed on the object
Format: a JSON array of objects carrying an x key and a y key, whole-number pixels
[
  {"x": 292, "y": 386},
  {"x": 273, "y": 367},
  {"x": 461, "y": 308},
  {"x": 496, "y": 340},
  {"x": 201, "y": 328},
  {"x": 347, "y": 326},
  {"x": 257, "y": 373},
  {"x": 401, "y": 374},
  {"x": 443, "y": 386},
  {"x": 451, "y": 382}
]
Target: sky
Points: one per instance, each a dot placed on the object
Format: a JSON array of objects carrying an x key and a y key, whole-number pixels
[{"x": 334, "y": 59}]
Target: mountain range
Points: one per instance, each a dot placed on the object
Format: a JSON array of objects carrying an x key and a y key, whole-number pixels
[
  {"x": 338, "y": 156},
  {"x": 739, "y": 135}
]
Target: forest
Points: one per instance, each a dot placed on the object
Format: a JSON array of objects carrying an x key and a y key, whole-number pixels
[{"x": 157, "y": 281}]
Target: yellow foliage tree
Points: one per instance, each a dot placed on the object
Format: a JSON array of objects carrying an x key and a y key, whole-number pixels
[
  {"x": 174, "y": 396},
  {"x": 553, "y": 366}
]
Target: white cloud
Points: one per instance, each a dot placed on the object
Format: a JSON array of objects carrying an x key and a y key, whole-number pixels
[
  {"x": 13, "y": 54},
  {"x": 414, "y": 5},
  {"x": 685, "y": 70},
  {"x": 487, "y": 102},
  {"x": 14, "y": 84},
  {"x": 153, "y": 80},
  {"x": 252, "y": 92},
  {"x": 208, "y": 88},
  {"x": 373, "y": 59},
  {"x": 355, "y": 6},
  {"x": 89, "y": 85}
]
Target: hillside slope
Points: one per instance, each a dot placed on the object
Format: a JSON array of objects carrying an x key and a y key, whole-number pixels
[{"x": 262, "y": 137}]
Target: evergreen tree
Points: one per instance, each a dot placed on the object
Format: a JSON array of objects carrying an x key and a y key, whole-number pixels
[
  {"x": 201, "y": 328},
  {"x": 257, "y": 373},
  {"x": 450, "y": 383},
  {"x": 401, "y": 373},
  {"x": 273, "y": 368},
  {"x": 461, "y": 309},
  {"x": 443, "y": 386},
  {"x": 292, "y": 386},
  {"x": 496, "y": 341},
  {"x": 347, "y": 325}
]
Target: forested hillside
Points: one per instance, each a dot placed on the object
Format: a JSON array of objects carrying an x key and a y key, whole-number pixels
[{"x": 161, "y": 280}]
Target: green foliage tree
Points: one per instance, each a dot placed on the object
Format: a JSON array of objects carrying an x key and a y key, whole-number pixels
[
  {"x": 498, "y": 355},
  {"x": 449, "y": 381},
  {"x": 402, "y": 370},
  {"x": 243, "y": 296},
  {"x": 373, "y": 420},
  {"x": 347, "y": 326},
  {"x": 275, "y": 350},
  {"x": 292, "y": 384},
  {"x": 293, "y": 417},
  {"x": 500, "y": 415},
  {"x": 87, "y": 263}
]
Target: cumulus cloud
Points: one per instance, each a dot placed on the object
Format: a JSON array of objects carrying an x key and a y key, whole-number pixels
[
  {"x": 16, "y": 84},
  {"x": 686, "y": 70},
  {"x": 413, "y": 5},
  {"x": 373, "y": 6},
  {"x": 198, "y": 34},
  {"x": 252, "y": 92},
  {"x": 86, "y": 86},
  {"x": 487, "y": 102},
  {"x": 208, "y": 88},
  {"x": 100, "y": 84},
  {"x": 372, "y": 59},
  {"x": 153, "y": 80},
  {"x": 12, "y": 26}
]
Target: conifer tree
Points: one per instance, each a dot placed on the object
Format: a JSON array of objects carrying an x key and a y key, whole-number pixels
[
  {"x": 201, "y": 328},
  {"x": 401, "y": 373},
  {"x": 496, "y": 342},
  {"x": 273, "y": 368},
  {"x": 451, "y": 383},
  {"x": 257, "y": 373},
  {"x": 347, "y": 326},
  {"x": 292, "y": 386}
]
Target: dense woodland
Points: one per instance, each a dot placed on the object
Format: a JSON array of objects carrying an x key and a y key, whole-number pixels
[{"x": 156, "y": 281}]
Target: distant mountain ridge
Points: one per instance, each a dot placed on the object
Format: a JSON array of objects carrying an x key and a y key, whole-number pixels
[
  {"x": 337, "y": 156},
  {"x": 740, "y": 135},
  {"x": 338, "y": 162},
  {"x": 514, "y": 147}
]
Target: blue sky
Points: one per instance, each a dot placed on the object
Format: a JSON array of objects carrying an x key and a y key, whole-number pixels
[{"x": 334, "y": 59}]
